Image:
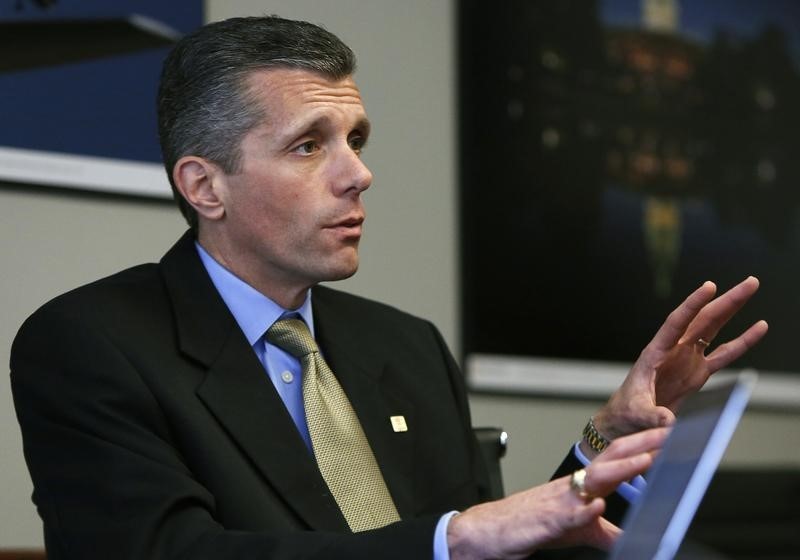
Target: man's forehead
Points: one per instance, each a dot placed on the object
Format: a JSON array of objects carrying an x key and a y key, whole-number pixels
[
  {"x": 295, "y": 99},
  {"x": 294, "y": 83}
]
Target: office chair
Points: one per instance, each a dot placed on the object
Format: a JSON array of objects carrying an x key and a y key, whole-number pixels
[{"x": 493, "y": 443}]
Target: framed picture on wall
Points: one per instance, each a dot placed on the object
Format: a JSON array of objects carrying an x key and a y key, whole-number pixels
[
  {"x": 78, "y": 85},
  {"x": 615, "y": 154}
]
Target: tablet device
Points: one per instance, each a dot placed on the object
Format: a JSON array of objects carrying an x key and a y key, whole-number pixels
[{"x": 656, "y": 523}]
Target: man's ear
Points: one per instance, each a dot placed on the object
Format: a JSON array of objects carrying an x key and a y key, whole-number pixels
[{"x": 199, "y": 182}]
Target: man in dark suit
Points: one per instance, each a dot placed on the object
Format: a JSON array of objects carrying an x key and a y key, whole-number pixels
[{"x": 164, "y": 415}]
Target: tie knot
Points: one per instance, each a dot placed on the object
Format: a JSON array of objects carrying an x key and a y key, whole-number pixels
[{"x": 293, "y": 336}]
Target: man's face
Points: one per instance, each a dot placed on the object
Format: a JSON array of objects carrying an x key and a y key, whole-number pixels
[{"x": 293, "y": 211}]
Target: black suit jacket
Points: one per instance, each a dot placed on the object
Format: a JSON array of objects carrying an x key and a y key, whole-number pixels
[{"x": 151, "y": 430}]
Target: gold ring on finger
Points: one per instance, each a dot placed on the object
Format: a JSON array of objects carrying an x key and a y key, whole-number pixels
[{"x": 577, "y": 483}]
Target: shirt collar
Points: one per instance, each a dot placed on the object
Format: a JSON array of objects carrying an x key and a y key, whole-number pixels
[{"x": 253, "y": 311}]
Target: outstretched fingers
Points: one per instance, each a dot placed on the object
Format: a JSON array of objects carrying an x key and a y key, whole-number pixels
[
  {"x": 701, "y": 316},
  {"x": 713, "y": 316},
  {"x": 602, "y": 478},
  {"x": 727, "y": 353},
  {"x": 625, "y": 458},
  {"x": 674, "y": 328},
  {"x": 645, "y": 441}
]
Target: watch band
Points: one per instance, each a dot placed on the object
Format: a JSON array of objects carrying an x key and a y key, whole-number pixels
[{"x": 596, "y": 441}]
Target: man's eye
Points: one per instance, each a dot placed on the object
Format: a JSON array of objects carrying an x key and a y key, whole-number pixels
[
  {"x": 306, "y": 147},
  {"x": 357, "y": 143}
]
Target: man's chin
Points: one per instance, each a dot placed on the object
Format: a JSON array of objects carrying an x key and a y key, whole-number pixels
[
  {"x": 346, "y": 274},
  {"x": 342, "y": 272}
]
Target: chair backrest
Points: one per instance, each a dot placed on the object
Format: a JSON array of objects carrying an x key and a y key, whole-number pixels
[{"x": 493, "y": 443}]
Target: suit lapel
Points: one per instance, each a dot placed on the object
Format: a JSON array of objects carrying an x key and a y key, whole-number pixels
[
  {"x": 239, "y": 394},
  {"x": 366, "y": 378}
]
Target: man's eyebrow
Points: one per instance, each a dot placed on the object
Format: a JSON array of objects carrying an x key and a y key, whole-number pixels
[{"x": 363, "y": 125}]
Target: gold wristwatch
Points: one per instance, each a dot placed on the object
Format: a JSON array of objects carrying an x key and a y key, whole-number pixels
[{"x": 596, "y": 441}]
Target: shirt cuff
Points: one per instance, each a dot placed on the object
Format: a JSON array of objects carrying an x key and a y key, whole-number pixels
[
  {"x": 440, "y": 548},
  {"x": 628, "y": 490}
]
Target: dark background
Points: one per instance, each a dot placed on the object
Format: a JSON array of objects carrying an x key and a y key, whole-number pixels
[{"x": 608, "y": 169}]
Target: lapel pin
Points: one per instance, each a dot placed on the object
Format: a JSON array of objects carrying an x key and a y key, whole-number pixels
[{"x": 398, "y": 423}]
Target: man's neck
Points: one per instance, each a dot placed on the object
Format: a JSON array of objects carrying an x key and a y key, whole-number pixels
[{"x": 285, "y": 294}]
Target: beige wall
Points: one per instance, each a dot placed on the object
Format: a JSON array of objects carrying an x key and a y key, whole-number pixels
[{"x": 50, "y": 242}]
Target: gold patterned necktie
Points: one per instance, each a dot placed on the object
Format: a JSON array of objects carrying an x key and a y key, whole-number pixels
[{"x": 343, "y": 453}]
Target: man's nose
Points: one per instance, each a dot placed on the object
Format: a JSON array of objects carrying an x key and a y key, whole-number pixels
[{"x": 354, "y": 175}]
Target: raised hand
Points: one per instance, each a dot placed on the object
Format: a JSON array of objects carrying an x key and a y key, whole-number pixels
[{"x": 677, "y": 362}]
